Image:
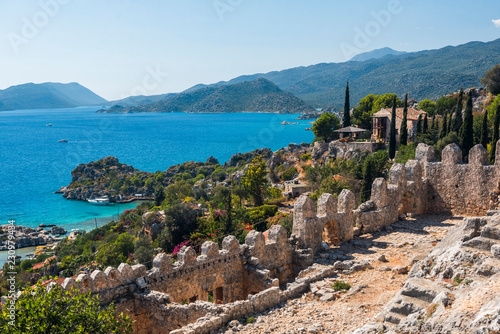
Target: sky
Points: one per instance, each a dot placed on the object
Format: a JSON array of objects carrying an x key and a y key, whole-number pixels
[{"x": 119, "y": 48}]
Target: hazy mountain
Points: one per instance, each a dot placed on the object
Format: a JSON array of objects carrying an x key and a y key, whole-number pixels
[
  {"x": 259, "y": 95},
  {"x": 140, "y": 100},
  {"x": 48, "y": 95},
  {"x": 376, "y": 54},
  {"x": 424, "y": 74}
]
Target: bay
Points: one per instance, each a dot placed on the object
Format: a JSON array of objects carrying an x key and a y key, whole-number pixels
[{"x": 34, "y": 164}]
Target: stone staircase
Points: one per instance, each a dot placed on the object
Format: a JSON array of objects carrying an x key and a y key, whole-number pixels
[{"x": 416, "y": 295}]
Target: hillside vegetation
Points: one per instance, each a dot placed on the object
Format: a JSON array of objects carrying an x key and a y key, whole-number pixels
[
  {"x": 424, "y": 74},
  {"x": 259, "y": 95}
]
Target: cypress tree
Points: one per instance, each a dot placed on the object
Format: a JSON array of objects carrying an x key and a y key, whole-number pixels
[
  {"x": 418, "y": 129},
  {"x": 434, "y": 123},
  {"x": 484, "y": 130},
  {"x": 457, "y": 122},
  {"x": 403, "y": 135},
  {"x": 366, "y": 185},
  {"x": 444, "y": 128},
  {"x": 467, "y": 132},
  {"x": 496, "y": 135},
  {"x": 425, "y": 127},
  {"x": 347, "y": 107},
  {"x": 450, "y": 120},
  {"x": 392, "y": 133}
]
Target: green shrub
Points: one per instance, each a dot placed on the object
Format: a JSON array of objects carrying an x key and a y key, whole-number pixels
[
  {"x": 340, "y": 286},
  {"x": 289, "y": 173},
  {"x": 250, "y": 320},
  {"x": 405, "y": 153},
  {"x": 306, "y": 157}
]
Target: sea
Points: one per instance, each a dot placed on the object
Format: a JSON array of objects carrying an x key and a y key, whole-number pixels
[{"x": 34, "y": 164}]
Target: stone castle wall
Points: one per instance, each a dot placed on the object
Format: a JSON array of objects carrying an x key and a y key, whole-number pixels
[{"x": 245, "y": 278}]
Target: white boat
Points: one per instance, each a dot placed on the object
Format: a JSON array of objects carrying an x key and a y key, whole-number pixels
[
  {"x": 48, "y": 124},
  {"x": 99, "y": 201}
]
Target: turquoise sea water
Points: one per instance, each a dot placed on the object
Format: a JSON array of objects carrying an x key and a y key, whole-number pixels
[{"x": 34, "y": 164}]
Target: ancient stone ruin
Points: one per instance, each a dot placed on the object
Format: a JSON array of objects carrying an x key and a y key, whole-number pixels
[{"x": 241, "y": 280}]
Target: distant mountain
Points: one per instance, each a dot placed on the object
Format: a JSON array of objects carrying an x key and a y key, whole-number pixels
[
  {"x": 259, "y": 95},
  {"x": 132, "y": 101},
  {"x": 48, "y": 95},
  {"x": 424, "y": 74},
  {"x": 377, "y": 54}
]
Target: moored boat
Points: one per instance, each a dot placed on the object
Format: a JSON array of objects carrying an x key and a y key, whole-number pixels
[{"x": 99, "y": 201}]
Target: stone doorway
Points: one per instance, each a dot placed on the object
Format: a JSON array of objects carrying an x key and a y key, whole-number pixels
[
  {"x": 407, "y": 204},
  {"x": 331, "y": 232}
]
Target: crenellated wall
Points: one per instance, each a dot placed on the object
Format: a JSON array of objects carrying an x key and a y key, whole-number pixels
[{"x": 245, "y": 278}]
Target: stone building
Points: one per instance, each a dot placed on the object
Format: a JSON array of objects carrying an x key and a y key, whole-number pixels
[{"x": 382, "y": 122}]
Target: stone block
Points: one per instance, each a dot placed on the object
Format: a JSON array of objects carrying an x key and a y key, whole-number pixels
[
  {"x": 210, "y": 249},
  {"x": 230, "y": 244},
  {"x": 68, "y": 283},
  {"x": 304, "y": 208},
  {"x": 257, "y": 241},
  {"x": 424, "y": 153},
  {"x": 327, "y": 205},
  {"x": 162, "y": 262},
  {"x": 187, "y": 255},
  {"x": 277, "y": 233},
  {"x": 397, "y": 175},
  {"x": 346, "y": 201},
  {"x": 126, "y": 270},
  {"x": 138, "y": 270},
  {"x": 451, "y": 154},
  {"x": 99, "y": 281},
  {"x": 85, "y": 282},
  {"x": 115, "y": 278},
  {"x": 478, "y": 156}
]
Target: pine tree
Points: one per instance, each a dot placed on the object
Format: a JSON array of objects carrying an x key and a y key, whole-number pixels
[
  {"x": 347, "y": 107},
  {"x": 467, "y": 132},
  {"x": 392, "y": 133},
  {"x": 484, "y": 130},
  {"x": 366, "y": 185},
  {"x": 418, "y": 129},
  {"x": 457, "y": 122},
  {"x": 444, "y": 128},
  {"x": 403, "y": 135},
  {"x": 425, "y": 127},
  {"x": 496, "y": 135}
]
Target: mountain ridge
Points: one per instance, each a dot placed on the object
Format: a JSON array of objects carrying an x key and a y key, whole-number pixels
[
  {"x": 259, "y": 95},
  {"x": 423, "y": 74},
  {"x": 48, "y": 95}
]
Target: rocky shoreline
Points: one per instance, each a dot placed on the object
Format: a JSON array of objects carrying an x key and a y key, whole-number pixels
[{"x": 29, "y": 237}]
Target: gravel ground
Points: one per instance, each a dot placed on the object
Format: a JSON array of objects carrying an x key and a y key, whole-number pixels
[{"x": 387, "y": 255}]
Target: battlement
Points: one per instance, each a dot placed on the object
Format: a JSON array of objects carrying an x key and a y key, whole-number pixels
[{"x": 245, "y": 277}]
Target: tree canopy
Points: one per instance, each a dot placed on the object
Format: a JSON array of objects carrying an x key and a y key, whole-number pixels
[
  {"x": 369, "y": 105},
  {"x": 492, "y": 80},
  {"x": 323, "y": 127}
]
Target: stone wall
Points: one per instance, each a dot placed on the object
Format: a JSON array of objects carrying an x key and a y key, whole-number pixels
[{"x": 243, "y": 279}]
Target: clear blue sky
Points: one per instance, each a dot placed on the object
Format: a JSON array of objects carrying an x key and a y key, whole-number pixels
[{"x": 111, "y": 46}]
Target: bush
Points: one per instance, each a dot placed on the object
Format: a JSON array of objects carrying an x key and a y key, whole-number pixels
[
  {"x": 340, "y": 286},
  {"x": 59, "y": 311},
  {"x": 405, "y": 153},
  {"x": 250, "y": 320},
  {"x": 306, "y": 157},
  {"x": 289, "y": 173}
]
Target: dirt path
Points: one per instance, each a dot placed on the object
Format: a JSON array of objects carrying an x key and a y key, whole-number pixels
[{"x": 402, "y": 244}]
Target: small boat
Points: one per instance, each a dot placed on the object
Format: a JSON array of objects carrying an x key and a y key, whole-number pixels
[
  {"x": 49, "y": 124},
  {"x": 63, "y": 141},
  {"x": 99, "y": 201}
]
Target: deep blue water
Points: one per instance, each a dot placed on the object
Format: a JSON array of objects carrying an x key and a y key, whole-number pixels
[{"x": 33, "y": 164}]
